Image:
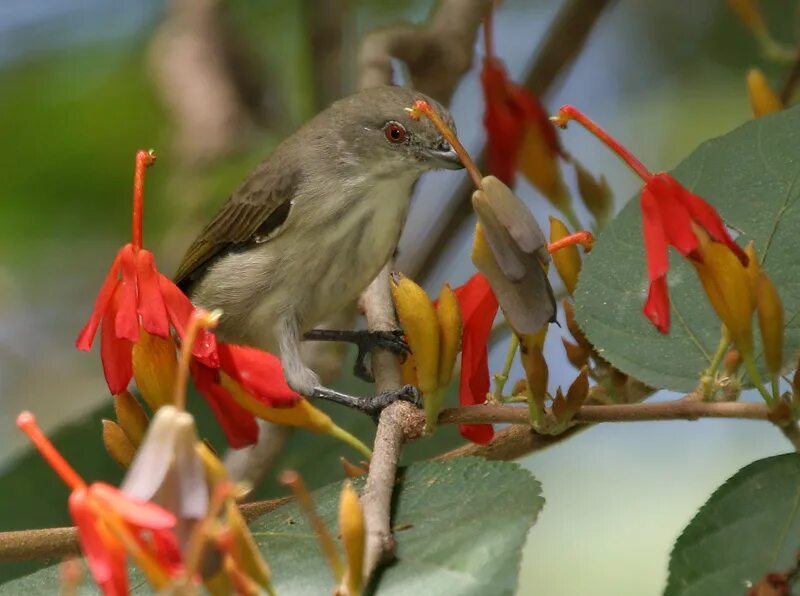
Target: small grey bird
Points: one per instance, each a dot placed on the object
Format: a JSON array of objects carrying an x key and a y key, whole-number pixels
[{"x": 312, "y": 226}]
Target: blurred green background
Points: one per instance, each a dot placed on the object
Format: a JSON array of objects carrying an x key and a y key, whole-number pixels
[{"x": 77, "y": 98}]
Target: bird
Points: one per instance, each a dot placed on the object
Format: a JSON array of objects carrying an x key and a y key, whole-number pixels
[{"x": 308, "y": 230}]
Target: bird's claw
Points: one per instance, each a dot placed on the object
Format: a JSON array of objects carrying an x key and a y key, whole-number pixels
[
  {"x": 375, "y": 405},
  {"x": 369, "y": 340}
]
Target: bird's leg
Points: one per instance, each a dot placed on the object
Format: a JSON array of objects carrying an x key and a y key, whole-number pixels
[
  {"x": 366, "y": 340},
  {"x": 304, "y": 381},
  {"x": 373, "y": 405}
]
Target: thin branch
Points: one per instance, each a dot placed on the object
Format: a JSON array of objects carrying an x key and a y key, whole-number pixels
[
  {"x": 671, "y": 410},
  {"x": 510, "y": 443},
  {"x": 58, "y": 543},
  {"x": 437, "y": 56}
]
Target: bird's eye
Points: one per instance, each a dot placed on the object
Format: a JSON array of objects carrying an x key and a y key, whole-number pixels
[{"x": 395, "y": 132}]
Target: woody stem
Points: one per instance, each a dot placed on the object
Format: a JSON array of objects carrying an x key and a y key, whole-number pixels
[
  {"x": 27, "y": 422},
  {"x": 423, "y": 107},
  {"x": 143, "y": 160},
  {"x": 567, "y": 113}
]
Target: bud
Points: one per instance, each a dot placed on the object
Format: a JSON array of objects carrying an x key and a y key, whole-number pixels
[
  {"x": 131, "y": 417},
  {"x": 448, "y": 312},
  {"x": 408, "y": 370},
  {"x": 117, "y": 444},
  {"x": 567, "y": 259},
  {"x": 577, "y": 356},
  {"x": 572, "y": 325},
  {"x": 353, "y": 529},
  {"x": 749, "y": 13},
  {"x": 763, "y": 100},
  {"x": 418, "y": 318},
  {"x": 538, "y": 162},
  {"x": 729, "y": 289},
  {"x": 595, "y": 194},
  {"x": 537, "y": 373},
  {"x": 154, "y": 369},
  {"x": 577, "y": 393},
  {"x": 770, "y": 321}
]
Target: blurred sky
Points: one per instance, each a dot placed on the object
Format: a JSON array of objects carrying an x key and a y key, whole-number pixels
[{"x": 661, "y": 76}]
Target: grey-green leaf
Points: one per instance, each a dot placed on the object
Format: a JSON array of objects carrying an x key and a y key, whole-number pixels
[
  {"x": 460, "y": 527},
  {"x": 750, "y": 176},
  {"x": 749, "y": 527}
]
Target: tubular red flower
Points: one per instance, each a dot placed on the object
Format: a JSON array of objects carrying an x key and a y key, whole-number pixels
[
  {"x": 669, "y": 212},
  {"x": 102, "y": 515},
  {"x": 259, "y": 373},
  {"x": 510, "y": 110},
  {"x": 136, "y": 295},
  {"x": 478, "y": 309}
]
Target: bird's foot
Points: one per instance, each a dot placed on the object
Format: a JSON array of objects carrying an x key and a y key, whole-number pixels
[
  {"x": 366, "y": 340},
  {"x": 374, "y": 405}
]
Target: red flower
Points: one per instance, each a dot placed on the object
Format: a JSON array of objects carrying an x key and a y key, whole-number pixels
[
  {"x": 112, "y": 525},
  {"x": 511, "y": 110},
  {"x": 669, "y": 212},
  {"x": 478, "y": 309},
  {"x": 135, "y": 294},
  {"x": 259, "y": 373}
]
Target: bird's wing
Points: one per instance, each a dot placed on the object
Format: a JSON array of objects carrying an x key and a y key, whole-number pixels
[{"x": 254, "y": 213}]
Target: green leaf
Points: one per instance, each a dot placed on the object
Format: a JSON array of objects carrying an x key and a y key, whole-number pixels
[
  {"x": 750, "y": 175},
  {"x": 460, "y": 527},
  {"x": 749, "y": 527}
]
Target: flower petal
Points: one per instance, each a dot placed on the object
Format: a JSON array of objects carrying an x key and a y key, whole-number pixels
[
  {"x": 127, "y": 318},
  {"x": 180, "y": 308},
  {"x": 115, "y": 353},
  {"x": 259, "y": 372},
  {"x": 151, "y": 303},
  {"x": 478, "y": 308},
  {"x": 708, "y": 217},
  {"x": 503, "y": 121},
  {"x": 655, "y": 239},
  {"x": 101, "y": 556},
  {"x": 141, "y": 514},
  {"x": 238, "y": 424},
  {"x": 104, "y": 296},
  {"x": 675, "y": 218},
  {"x": 656, "y": 307}
]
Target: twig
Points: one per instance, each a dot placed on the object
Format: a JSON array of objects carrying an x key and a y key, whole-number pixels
[
  {"x": 671, "y": 410},
  {"x": 510, "y": 443},
  {"x": 57, "y": 543},
  {"x": 437, "y": 56},
  {"x": 561, "y": 44},
  {"x": 792, "y": 432}
]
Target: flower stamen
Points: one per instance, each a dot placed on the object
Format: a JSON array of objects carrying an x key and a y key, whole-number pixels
[{"x": 144, "y": 159}]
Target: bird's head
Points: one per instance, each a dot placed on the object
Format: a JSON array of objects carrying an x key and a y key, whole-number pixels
[{"x": 376, "y": 131}]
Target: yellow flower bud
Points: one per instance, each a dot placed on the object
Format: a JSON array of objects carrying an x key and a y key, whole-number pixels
[
  {"x": 353, "y": 530},
  {"x": 763, "y": 100},
  {"x": 770, "y": 321},
  {"x": 567, "y": 259},
  {"x": 154, "y": 368},
  {"x": 749, "y": 13},
  {"x": 448, "y": 313},
  {"x": 539, "y": 164},
  {"x": 117, "y": 444},
  {"x": 418, "y": 318},
  {"x": 729, "y": 288},
  {"x": 131, "y": 417}
]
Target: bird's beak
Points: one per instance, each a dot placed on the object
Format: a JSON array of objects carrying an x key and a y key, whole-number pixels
[{"x": 447, "y": 160}]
